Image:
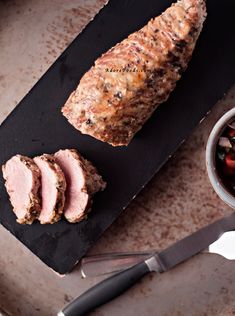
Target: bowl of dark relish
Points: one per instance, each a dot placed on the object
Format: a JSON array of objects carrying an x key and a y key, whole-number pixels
[{"x": 220, "y": 158}]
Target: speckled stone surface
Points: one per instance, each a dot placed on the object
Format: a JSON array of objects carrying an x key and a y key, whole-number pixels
[{"x": 177, "y": 202}]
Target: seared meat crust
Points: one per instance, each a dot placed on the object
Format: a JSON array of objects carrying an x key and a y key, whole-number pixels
[
  {"x": 88, "y": 182},
  {"x": 125, "y": 86},
  {"x": 60, "y": 187},
  {"x": 32, "y": 209}
]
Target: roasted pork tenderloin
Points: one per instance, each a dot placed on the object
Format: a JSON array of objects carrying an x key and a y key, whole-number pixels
[
  {"x": 23, "y": 178},
  {"x": 125, "y": 86},
  {"x": 53, "y": 186},
  {"x": 83, "y": 181},
  {"x": 47, "y": 186}
]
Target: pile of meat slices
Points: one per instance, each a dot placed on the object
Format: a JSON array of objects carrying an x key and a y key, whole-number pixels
[{"x": 49, "y": 186}]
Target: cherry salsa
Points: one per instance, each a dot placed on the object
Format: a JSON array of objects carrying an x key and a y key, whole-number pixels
[{"x": 225, "y": 157}]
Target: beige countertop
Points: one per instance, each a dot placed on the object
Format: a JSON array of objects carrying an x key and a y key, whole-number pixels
[{"x": 178, "y": 201}]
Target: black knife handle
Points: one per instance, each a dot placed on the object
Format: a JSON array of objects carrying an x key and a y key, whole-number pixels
[{"x": 105, "y": 290}]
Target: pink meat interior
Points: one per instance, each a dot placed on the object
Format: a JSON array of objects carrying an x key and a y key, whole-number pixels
[
  {"x": 19, "y": 185},
  {"x": 48, "y": 190},
  {"x": 76, "y": 200}
]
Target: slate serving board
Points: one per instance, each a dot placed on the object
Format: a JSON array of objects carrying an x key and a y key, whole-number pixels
[{"x": 36, "y": 126}]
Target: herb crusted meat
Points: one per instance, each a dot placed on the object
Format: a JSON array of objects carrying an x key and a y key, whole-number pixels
[
  {"x": 83, "y": 181},
  {"x": 49, "y": 186},
  {"x": 53, "y": 186},
  {"x": 121, "y": 91},
  {"x": 23, "y": 178}
]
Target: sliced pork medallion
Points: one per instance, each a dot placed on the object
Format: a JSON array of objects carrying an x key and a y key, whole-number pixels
[
  {"x": 22, "y": 177},
  {"x": 53, "y": 187},
  {"x": 83, "y": 181}
]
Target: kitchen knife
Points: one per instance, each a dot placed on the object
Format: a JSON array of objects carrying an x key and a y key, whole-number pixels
[{"x": 158, "y": 262}]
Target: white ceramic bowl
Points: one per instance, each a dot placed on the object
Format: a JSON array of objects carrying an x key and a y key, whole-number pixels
[{"x": 215, "y": 180}]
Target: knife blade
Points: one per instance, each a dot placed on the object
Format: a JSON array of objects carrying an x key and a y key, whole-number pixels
[
  {"x": 158, "y": 262},
  {"x": 107, "y": 263}
]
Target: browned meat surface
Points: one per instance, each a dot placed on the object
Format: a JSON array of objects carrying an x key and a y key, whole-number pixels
[
  {"x": 22, "y": 183},
  {"x": 37, "y": 187},
  {"x": 83, "y": 181},
  {"x": 126, "y": 84},
  {"x": 53, "y": 186}
]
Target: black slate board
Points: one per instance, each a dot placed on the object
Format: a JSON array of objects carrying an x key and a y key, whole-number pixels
[{"x": 36, "y": 125}]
